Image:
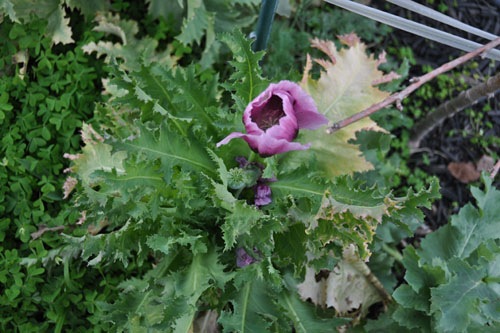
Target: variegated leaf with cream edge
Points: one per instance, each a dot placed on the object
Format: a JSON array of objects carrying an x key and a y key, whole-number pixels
[
  {"x": 346, "y": 86},
  {"x": 350, "y": 287}
]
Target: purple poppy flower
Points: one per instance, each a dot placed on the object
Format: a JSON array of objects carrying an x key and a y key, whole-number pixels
[{"x": 272, "y": 120}]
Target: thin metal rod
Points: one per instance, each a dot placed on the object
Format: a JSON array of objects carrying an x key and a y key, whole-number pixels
[
  {"x": 437, "y": 16},
  {"x": 414, "y": 27}
]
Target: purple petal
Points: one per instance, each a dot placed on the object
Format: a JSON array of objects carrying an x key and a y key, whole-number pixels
[
  {"x": 262, "y": 195},
  {"x": 243, "y": 258},
  {"x": 272, "y": 120},
  {"x": 266, "y": 145},
  {"x": 229, "y": 138},
  {"x": 303, "y": 104},
  {"x": 242, "y": 162}
]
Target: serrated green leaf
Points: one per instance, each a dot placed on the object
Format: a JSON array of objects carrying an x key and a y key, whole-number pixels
[
  {"x": 250, "y": 308},
  {"x": 166, "y": 244},
  {"x": 207, "y": 18},
  {"x": 7, "y": 7},
  {"x": 303, "y": 315},
  {"x": 290, "y": 246},
  {"x": 171, "y": 149},
  {"x": 196, "y": 22},
  {"x": 350, "y": 214},
  {"x": 133, "y": 51},
  {"x": 298, "y": 183},
  {"x": 58, "y": 27},
  {"x": 204, "y": 271},
  {"x": 97, "y": 156},
  {"x": 194, "y": 98},
  {"x": 410, "y": 216},
  {"x": 247, "y": 81},
  {"x": 180, "y": 95},
  {"x": 239, "y": 221},
  {"x": 146, "y": 304},
  {"x": 52, "y": 10}
]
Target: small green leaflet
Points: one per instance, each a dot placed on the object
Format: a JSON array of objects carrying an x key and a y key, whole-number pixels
[{"x": 246, "y": 78}]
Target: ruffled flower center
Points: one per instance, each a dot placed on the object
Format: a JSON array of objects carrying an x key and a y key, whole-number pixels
[{"x": 268, "y": 114}]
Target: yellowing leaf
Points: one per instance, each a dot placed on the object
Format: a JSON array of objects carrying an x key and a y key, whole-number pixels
[
  {"x": 344, "y": 88},
  {"x": 132, "y": 50},
  {"x": 96, "y": 156},
  {"x": 58, "y": 28},
  {"x": 350, "y": 287},
  {"x": 349, "y": 215}
]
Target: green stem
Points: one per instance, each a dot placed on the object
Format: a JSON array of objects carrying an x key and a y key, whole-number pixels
[
  {"x": 264, "y": 24},
  {"x": 393, "y": 252},
  {"x": 252, "y": 157}
]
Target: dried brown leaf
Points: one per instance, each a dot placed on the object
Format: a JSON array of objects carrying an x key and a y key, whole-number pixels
[{"x": 465, "y": 172}]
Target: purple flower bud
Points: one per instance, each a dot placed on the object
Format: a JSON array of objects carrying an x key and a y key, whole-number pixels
[
  {"x": 272, "y": 120},
  {"x": 262, "y": 195},
  {"x": 243, "y": 258}
]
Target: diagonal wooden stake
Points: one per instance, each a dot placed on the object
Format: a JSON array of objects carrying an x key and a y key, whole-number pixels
[
  {"x": 451, "y": 107},
  {"x": 417, "y": 83}
]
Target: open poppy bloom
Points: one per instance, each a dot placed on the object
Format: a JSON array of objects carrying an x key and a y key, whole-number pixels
[{"x": 272, "y": 120}]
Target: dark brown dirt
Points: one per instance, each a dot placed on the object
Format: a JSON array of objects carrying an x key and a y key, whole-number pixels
[{"x": 440, "y": 145}]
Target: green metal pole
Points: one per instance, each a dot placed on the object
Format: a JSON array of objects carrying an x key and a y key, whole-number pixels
[{"x": 266, "y": 17}]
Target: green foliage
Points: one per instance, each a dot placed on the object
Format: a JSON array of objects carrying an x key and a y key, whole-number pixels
[
  {"x": 161, "y": 189},
  {"x": 351, "y": 213},
  {"x": 289, "y": 40},
  {"x": 247, "y": 72},
  {"x": 159, "y": 215},
  {"x": 481, "y": 132},
  {"x": 206, "y": 18},
  {"x": 46, "y": 94},
  {"x": 452, "y": 279}
]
